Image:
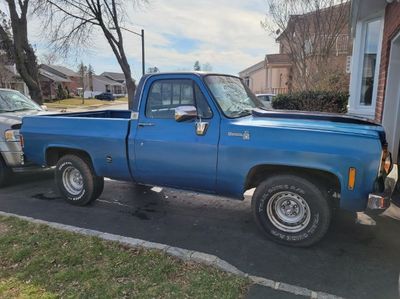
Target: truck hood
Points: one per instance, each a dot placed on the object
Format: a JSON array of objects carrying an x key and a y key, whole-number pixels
[
  {"x": 13, "y": 120},
  {"x": 337, "y": 123}
]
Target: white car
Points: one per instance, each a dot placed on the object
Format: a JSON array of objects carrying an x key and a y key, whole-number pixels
[
  {"x": 13, "y": 107},
  {"x": 266, "y": 99}
]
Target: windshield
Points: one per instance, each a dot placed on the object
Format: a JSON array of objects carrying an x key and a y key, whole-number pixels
[
  {"x": 11, "y": 101},
  {"x": 234, "y": 98}
]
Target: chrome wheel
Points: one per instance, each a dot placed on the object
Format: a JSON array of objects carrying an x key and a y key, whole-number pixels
[
  {"x": 288, "y": 211},
  {"x": 72, "y": 180}
]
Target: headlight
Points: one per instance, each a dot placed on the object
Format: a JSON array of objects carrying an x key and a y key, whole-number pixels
[{"x": 11, "y": 135}]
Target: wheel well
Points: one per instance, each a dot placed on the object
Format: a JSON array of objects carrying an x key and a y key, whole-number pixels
[
  {"x": 259, "y": 173},
  {"x": 54, "y": 154}
]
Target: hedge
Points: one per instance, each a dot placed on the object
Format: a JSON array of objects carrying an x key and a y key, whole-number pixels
[{"x": 322, "y": 101}]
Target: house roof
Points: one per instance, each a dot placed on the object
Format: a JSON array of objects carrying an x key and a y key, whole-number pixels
[
  {"x": 107, "y": 80},
  {"x": 51, "y": 76},
  {"x": 114, "y": 76},
  {"x": 63, "y": 70},
  {"x": 310, "y": 18},
  {"x": 254, "y": 67},
  {"x": 277, "y": 59}
]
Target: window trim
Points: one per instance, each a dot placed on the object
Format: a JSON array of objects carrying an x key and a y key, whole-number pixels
[
  {"x": 193, "y": 84},
  {"x": 357, "y": 64}
]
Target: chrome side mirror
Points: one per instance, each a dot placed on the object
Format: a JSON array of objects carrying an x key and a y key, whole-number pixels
[{"x": 183, "y": 113}]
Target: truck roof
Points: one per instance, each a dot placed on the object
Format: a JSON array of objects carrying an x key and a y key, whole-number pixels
[{"x": 198, "y": 73}]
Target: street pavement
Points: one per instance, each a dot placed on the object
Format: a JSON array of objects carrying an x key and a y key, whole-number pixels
[{"x": 352, "y": 261}]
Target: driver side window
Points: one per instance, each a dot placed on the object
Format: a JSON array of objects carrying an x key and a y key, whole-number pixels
[{"x": 165, "y": 95}]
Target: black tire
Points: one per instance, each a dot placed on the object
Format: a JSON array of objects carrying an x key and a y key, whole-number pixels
[
  {"x": 308, "y": 210},
  {"x": 82, "y": 191},
  {"x": 98, "y": 187},
  {"x": 4, "y": 173}
]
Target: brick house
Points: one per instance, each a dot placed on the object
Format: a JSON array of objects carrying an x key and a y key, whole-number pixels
[
  {"x": 51, "y": 76},
  {"x": 303, "y": 42},
  {"x": 375, "y": 67},
  {"x": 270, "y": 75},
  {"x": 319, "y": 46}
]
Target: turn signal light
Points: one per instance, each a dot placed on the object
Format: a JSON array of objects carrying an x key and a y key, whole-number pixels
[
  {"x": 21, "y": 141},
  {"x": 352, "y": 178}
]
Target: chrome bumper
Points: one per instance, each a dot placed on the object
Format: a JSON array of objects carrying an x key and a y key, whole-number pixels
[
  {"x": 381, "y": 201},
  {"x": 13, "y": 159}
]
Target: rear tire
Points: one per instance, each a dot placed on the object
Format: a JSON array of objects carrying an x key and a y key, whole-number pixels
[
  {"x": 291, "y": 210},
  {"x": 76, "y": 180}
]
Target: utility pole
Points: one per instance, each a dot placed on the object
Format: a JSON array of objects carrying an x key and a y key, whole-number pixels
[
  {"x": 143, "y": 55},
  {"x": 143, "y": 61}
]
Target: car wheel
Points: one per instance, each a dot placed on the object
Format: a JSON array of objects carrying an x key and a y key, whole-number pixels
[
  {"x": 98, "y": 187},
  {"x": 4, "y": 172},
  {"x": 76, "y": 180},
  {"x": 291, "y": 210}
]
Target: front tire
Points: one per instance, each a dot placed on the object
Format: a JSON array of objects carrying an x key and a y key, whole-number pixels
[
  {"x": 4, "y": 172},
  {"x": 76, "y": 180},
  {"x": 291, "y": 210}
]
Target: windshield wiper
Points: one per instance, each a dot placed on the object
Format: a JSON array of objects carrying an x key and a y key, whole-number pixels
[
  {"x": 23, "y": 109},
  {"x": 242, "y": 113}
]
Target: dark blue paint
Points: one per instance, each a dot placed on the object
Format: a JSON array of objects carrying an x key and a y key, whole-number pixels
[{"x": 171, "y": 154}]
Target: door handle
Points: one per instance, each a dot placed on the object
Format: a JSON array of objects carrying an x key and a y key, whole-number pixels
[{"x": 146, "y": 124}]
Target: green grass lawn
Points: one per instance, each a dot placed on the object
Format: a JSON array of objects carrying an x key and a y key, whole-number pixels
[
  {"x": 124, "y": 99},
  {"x": 41, "y": 262},
  {"x": 77, "y": 103}
]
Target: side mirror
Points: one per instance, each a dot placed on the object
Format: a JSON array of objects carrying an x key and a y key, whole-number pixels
[{"x": 183, "y": 113}]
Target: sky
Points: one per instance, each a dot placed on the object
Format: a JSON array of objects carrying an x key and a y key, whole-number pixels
[{"x": 224, "y": 33}]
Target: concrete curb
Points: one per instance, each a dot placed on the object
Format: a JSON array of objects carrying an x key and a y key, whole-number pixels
[{"x": 183, "y": 254}]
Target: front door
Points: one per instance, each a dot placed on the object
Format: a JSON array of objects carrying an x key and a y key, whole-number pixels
[{"x": 170, "y": 153}]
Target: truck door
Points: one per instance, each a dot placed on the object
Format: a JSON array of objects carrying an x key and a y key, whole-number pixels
[{"x": 171, "y": 153}]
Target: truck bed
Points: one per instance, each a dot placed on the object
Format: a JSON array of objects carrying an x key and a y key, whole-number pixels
[
  {"x": 114, "y": 114},
  {"x": 102, "y": 134}
]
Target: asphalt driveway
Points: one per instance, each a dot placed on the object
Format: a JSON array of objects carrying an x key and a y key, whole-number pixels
[{"x": 353, "y": 261}]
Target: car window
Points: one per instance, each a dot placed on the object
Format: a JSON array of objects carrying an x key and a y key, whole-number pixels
[
  {"x": 233, "y": 97},
  {"x": 263, "y": 98},
  {"x": 11, "y": 101},
  {"x": 165, "y": 95}
]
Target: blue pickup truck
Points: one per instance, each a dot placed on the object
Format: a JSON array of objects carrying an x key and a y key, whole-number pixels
[{"x": 209, "y": 133}]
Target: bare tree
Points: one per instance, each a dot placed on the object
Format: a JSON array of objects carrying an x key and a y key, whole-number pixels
[
  {"x": 5, "y": 75},
  {"x": 152, "y": 70},
  {"x": 309, "y": 31},
  {"x": 90, "y": 74},
  {"x": 72, "y": 22},
  {"x": 18, "y": 44},
  {"x": 6, "y": 53},
  {"x": 83, "y": 75},
  {"x": 49, "y": 58},
  {"x": 207, "y": 67},
  {"x": 197, "y": 66}
]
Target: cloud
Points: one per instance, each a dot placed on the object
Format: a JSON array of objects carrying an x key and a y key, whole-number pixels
[{"x": 225, "y": 33}]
